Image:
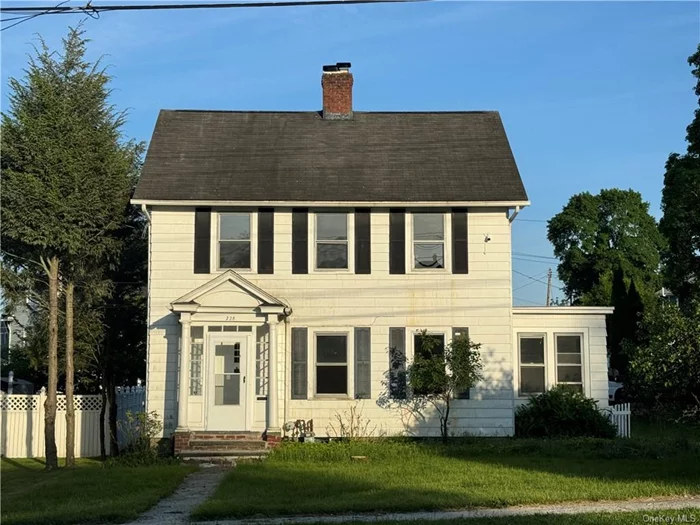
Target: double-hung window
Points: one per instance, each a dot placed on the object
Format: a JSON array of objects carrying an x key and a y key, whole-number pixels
[
  {"x": 428, "y": 346},
  {"x": 331, "y": 364},
  {"x": 331, "y": 240},
  {"x": 428, "y": 240},
  {"x": 569, "y": 363},
  {"x": 532, "y": 367},
  {"x": 234, "y": 240}
]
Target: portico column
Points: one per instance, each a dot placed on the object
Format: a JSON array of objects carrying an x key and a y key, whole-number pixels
[
  {"x": 183, "y": 387},
  {"x": 273, "y": 377}
]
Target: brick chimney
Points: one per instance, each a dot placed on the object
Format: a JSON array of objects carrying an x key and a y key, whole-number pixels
[{"x": 337, "y": 91}]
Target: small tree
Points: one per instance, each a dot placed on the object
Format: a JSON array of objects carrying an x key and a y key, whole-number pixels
[{"x": 438, "y": 373}]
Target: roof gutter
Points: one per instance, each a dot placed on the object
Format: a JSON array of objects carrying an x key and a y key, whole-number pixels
[{"x": 335, "y": 204}]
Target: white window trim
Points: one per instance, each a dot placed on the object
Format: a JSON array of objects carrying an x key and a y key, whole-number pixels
[
  {"x": 556, "y": 360},
  {"x": 350, "y": 218},
  {"x": 447, "y": 231},
  {"x": 413, "y": 332},
  {"x": 349, "y": 358},
  {"x": 253, "y": 240},
  {"x": 545, "y": 367}
]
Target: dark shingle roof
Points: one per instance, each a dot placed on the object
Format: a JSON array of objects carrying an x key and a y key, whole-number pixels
[{"x": 298, "y": 156}]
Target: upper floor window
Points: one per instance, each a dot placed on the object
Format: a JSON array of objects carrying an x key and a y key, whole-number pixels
[
  {"x": 569, "y": 363},
  {"x": 331, "y": 240},
  {"x": 234, "y": 240},
  {"x": 428, "y": 240}
]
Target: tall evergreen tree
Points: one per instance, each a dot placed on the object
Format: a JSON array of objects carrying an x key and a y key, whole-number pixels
[{"x": 67, "y": 175}]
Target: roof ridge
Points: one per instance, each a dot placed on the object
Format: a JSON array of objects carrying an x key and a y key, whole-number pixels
[{"x": 282, "y": 112}]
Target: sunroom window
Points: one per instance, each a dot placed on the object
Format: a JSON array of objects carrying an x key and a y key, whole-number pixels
[
  {"x": 569, "y": 363},
  {"x": 331, "y": 240},
  {"x": 428, "y": 240},
  {"x": 532, "y": 366},
  {"x": 234, "y": 240}
]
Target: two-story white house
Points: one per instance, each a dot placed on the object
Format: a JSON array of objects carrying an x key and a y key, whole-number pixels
[{"x": 289, "y": 251}]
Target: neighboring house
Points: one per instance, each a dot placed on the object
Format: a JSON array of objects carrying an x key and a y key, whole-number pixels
[
  {"x": 13, "y": 326},
  {"x": 667, "y": 296},
  {"x": 301, "y": 246}
]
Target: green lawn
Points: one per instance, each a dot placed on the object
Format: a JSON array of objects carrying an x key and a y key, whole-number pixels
[
  {"x": 87, "y": 494},
  {"x": 601, "y": 518},
  {"x": 405, "y": 476}
]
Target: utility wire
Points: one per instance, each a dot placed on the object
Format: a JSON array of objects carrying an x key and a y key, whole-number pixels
[
  {"x": 537, "y": 280},
  {"x": 160, "y": 7},
  {"x": 43, "y": 11},
  {"x": 522, "y": 254}
]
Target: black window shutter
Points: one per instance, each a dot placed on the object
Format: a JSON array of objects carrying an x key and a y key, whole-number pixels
[
  {"x": 460, "y": 246},
  {"x": 202, "y": 240},
  {"x": 266, "y": 240},
  {"x": 299, "y": 362},
  {"x": 397, "y": 363},
  {"x": 397, "y": 241},
  {"x": 363, "y": 363},
  {"x": 363, "y": 240},
  {"x": 456, "y": 332},
  {"x": 300, "y": 240}
]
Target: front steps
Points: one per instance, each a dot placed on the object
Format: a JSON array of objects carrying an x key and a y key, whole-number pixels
[{"x": 223, "y": 448}]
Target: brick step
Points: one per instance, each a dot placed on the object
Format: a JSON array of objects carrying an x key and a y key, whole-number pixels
[
  {"x": 210, "y": 435},
  {"x": 219, "y": 444},
  {"x": 185, "y": 454}
]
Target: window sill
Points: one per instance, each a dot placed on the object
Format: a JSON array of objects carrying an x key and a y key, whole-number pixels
[{"x": 331, "y": 397}]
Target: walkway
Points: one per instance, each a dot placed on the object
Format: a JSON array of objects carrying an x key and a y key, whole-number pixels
[
  {"x": 650, "y": 505},
  {"x": 176, "y": 508}
]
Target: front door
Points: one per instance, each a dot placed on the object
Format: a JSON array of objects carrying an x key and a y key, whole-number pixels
[{"x": 228, "y": 384}]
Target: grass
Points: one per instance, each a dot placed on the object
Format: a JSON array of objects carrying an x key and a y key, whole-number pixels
[
  {"x": 692, "y": 515},
  {"x": 88, "y": 493},
  {"x": 410, "y": 476}
]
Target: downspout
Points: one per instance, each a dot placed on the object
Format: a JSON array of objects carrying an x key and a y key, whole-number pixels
[
  {"x": 144, "y": 210},
  {"x": 514, "y": 215}
]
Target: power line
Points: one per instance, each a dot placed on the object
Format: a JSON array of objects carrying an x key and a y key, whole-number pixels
[
  {"x": 88, "y": 7},
  {"x": 537, "y": 280},
  {"x": 535, "y": 256},
  {"x": 526, "y": 301},
  {"x": 515, "y": 258},
  {"x": 529, "y": 220},
  {"x": 43, "y": 11}
]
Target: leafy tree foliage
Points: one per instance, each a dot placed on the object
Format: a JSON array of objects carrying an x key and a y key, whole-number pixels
[
  {"x": 594, "y": 235},
  {"x": 681, "y": 221},
  {"x": 622, "y": 325},
  {"x": 437, "y": 374},
  {"x": 66, "y": 175},
  {"x": 665, "y": 363}
]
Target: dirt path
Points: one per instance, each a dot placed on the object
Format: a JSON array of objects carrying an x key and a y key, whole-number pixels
[
  {"x": 176, "y": 508},
  {"x": 651, "y": 505}
]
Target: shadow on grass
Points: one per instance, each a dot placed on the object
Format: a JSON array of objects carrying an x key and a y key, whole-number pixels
[{"x": 411, "y": 476}]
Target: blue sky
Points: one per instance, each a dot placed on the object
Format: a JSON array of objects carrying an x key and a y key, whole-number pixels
[{"x": 593, "y": 95}]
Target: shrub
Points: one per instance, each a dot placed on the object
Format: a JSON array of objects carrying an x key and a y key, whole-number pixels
[
  {"x": 140, "y": 429},
  {"x": 562, "y": 412}
]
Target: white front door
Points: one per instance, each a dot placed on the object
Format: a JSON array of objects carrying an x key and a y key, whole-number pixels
[{"x": 228, "y": 382}]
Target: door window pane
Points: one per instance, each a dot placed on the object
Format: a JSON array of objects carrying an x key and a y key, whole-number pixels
[{"x": 227, "y": 374}]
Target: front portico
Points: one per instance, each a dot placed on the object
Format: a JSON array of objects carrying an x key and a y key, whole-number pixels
[{"x": 228, "y": 353}]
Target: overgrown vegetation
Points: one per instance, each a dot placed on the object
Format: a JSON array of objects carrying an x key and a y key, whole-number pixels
[
  {"x": 403, "y": 474},
  {"x": 141, "y": 431},
  {"x": 351, "y": 425},
  {"x": 562, "y": 412}
]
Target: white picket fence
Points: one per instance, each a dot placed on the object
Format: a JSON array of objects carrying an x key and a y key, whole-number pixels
[
  {"x": 22, "y": 422},
  {"x": 621, "y": 415}
]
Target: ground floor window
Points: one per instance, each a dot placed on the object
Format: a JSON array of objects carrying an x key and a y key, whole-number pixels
[
  {"x": 425, "y": 345},
  {"x": 532, "y": 369},
  {"x": 569, "y": 362},
  {"x": 331, "y": 364}
]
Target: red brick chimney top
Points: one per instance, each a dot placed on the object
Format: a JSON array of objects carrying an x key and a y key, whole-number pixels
[{"x": 337, "y": 91}]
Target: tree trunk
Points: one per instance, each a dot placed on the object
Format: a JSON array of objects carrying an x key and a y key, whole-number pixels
[
  {"x": 445, "y": 420},
  {"x": 70, "y": 372},
  {"x": 103, "y": 448},
  {"x": 112, "y": 402},
  {"x": 51, "y": 401}
]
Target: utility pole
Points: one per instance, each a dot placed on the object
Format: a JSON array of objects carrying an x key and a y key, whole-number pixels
[{"x": 549, "y": 287}]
